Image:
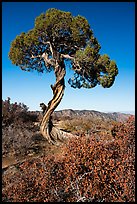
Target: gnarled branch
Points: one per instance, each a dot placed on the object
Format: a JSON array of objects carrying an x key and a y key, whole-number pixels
[{"x": 47, "y": 60}]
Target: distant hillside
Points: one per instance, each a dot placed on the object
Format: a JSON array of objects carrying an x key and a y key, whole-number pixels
[{"x": 69, "y": 113}]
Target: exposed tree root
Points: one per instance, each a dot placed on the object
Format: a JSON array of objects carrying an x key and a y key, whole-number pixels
[{"x": 57, "y": 136}]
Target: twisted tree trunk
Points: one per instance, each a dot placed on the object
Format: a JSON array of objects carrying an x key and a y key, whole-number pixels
[{"x": 47, "y": 129}]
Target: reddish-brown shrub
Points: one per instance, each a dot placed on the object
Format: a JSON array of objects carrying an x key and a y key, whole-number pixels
[
  {"x": 17, "y": 128},
  {"x": 87, "y": 171},
  {"x": 16, "y": 113}
]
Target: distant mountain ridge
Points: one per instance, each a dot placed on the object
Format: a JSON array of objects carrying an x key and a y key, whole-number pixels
[{"x": 69, "y": 113}]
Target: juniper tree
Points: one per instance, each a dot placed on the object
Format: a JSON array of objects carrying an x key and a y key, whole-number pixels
[{"x": 57, "y": 38}]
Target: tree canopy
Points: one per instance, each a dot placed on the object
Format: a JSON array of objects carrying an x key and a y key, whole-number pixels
[{"x": 59, "y": 34}]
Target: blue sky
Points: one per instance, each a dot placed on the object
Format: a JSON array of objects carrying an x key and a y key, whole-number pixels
[{"x": 113, "y": 24}]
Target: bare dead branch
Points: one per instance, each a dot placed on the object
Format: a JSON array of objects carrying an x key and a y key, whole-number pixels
[
  {"x": 67, "y": 56},
  {"x": 33, "y": 57}
]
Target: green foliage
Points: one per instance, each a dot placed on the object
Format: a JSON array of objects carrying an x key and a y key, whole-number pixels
[
  {"x": 108, "y": 70},
  {"x": 67, "y": 35}
]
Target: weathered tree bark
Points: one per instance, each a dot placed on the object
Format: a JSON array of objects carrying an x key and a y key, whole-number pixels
[{"x": 47, "y": 129}]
